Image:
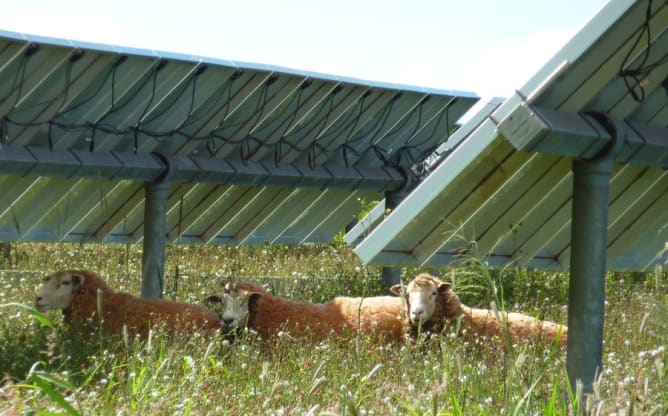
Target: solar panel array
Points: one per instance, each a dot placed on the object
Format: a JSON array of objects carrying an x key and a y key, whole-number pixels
[
  {"x": 255, "y": 153},
  {"x": 505, "y": 193}
]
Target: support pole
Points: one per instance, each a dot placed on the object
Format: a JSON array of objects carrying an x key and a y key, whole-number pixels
[
  {"x": 392, "y": 275},
  {"x": 155, "y": 235},
  {"x": 589, "y": 229}
]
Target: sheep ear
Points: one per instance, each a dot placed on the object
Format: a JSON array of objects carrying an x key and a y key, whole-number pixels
[
  {"x": 396, "y": 289},
  {"x": 77, "y": 279},
  {"x": 252, "y": 296},
  {"x": 229, "y": 287},
  {"x": 444, "y": 286},
  {"x": 213, "y": 299}
]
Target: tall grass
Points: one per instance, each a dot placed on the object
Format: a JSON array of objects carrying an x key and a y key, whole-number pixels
[{"x": 47, "y": 370}]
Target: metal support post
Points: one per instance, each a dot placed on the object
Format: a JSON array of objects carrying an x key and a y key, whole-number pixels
[
  {"x": 589, "y": 226},
  {"x": 155, "y": 234}
]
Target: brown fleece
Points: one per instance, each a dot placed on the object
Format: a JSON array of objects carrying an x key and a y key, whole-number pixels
[
  {"x": 137, "y": 314},
  {"x": 379, "y": 317},
  {"x": 481, "y": 322}
]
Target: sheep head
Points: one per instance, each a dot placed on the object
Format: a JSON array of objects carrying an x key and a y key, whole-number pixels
[
  {"x": 58, "y": 290},
  {"x": 236, "y": 299},
  {"x": 421, "y": 296}
]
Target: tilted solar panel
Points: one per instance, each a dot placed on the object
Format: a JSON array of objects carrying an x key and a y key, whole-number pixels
[
  {"x": 505, "y": 193},
  {"x": 255, "y": 153}
]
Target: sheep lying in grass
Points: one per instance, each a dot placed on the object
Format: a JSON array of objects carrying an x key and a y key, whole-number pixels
[
  {"x": 248, "y": 305},
  {"x": 86, "y": 299},
  {"x": 431, "y": 305}
]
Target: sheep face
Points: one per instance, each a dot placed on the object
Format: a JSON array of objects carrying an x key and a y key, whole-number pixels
[
  {"x": 235, "y": 305},
  {"x": 58, "y": 291},
  {"x": 421, "y": 297}
]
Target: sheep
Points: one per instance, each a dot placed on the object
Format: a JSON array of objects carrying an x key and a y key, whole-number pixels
[
  {"x": 431, "y": 305},
  {"x": 86, "y": 299},
  {"x": 247, "y": 305}
]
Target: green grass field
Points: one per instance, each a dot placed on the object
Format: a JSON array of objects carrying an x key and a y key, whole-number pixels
[{"x": 50, "y": 371}]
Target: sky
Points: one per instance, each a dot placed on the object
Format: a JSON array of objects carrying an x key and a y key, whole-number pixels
[{"x": 488, "y": 47}]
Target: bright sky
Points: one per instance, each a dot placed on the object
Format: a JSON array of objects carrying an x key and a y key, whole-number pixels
[{"x": 489, "y": 47}]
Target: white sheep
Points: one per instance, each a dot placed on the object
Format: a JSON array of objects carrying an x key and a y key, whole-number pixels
[
  {"x": 432, "y": 305},
  {"x": 86, "y": 299},
  {"x": 247, "y": 305}
]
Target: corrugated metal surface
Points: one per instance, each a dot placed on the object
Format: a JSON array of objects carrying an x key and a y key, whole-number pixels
[
  {"x": 488, "y": 199},
  {"x": 92, "y": 107}
]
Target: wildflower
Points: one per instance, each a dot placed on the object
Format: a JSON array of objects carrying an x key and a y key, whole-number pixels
[{"x": 628, "y": 380}]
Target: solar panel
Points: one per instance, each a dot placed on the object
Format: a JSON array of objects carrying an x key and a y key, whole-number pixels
[
  {"x": 255, "y": 153},
  {"x": 505, "y": 193}
]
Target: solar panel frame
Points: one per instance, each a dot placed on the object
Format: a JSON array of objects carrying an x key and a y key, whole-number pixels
[
  {"x": 93, "y": 123},
  {"x": 443, "y": 222}
]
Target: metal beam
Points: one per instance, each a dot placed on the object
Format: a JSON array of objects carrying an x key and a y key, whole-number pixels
[
  {"x": 581, "y": 136},
  {"x": 392, "y": 275},
  {"x": 71, "y": 163}
]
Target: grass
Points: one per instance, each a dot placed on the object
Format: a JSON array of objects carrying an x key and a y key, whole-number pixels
[{"x": 50, "y": 371}]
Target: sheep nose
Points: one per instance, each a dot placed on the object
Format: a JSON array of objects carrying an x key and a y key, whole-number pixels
[
  {"x": 38, "y": 298},
  {"x": 417, "y": 314},
  {"x": 228, "y": 321}
]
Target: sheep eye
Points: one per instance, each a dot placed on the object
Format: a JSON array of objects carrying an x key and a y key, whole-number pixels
[
  {"x": 433, "y": 293},
  {"x": 66, "y": 282}
]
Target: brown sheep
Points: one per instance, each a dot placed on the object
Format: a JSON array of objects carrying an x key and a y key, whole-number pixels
[
  {"x": 86, "y": 299},
  {"x": 248, "y": 305},
  {"x": 433, "y": 304}
]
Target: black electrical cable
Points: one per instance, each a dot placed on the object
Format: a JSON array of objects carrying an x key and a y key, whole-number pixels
[
  {"x": 633, "y": 76},
  {"x": 443, "y": 114},
  {"x": 319, "y": 137},
  {"x": 20, "y": 75},
  {"x": 291, "y": 119}
]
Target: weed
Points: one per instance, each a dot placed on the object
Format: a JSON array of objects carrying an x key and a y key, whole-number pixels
[{"x": 448, "y": 376}]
